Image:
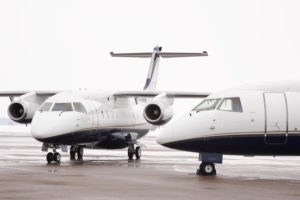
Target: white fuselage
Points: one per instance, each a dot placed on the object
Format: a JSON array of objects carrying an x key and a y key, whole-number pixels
[
  {"x": 104, "y": 116},
  {"x": 267, "y": 123}
]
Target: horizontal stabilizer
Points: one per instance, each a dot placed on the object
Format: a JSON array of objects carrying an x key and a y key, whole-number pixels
[
  {"x": 161, "y": 54},
  {"x": 150, "y": 94},
  {"x": 155, "y": 55}
]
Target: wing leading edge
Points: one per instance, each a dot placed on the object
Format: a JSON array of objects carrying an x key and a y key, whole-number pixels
[
  {"x": 20, "y": 93},
  {"x": 128, "y": 94}
]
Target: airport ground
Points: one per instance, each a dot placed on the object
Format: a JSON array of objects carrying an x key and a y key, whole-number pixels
[{"x": 160, "y": 174}]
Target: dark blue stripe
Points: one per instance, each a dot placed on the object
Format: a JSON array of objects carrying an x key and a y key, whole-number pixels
[
  {"x": 241, "y": 145},
  {"x": 110, "y": 139}
]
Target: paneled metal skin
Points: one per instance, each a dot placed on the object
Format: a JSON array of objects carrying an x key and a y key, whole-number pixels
[{"x": 268, "y": 124}]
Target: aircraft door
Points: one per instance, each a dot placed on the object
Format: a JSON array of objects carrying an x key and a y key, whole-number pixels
[{"x": 276, "y": 118}]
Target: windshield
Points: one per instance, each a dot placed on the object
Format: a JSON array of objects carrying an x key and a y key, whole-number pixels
[
  {"x": 45, "y": 107},
  {"x": 231, "y": 104},
  {"x": 208, "y": 104},
  {"x": 79, "y": 107},
  {"x": 62, "y": 107}
]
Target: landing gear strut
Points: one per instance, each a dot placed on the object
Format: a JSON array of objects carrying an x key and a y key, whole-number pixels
[
  {"x": 76, "y": 152},
  {"x": 207, "y": 167},
  {"x": 137, "y": 152}
]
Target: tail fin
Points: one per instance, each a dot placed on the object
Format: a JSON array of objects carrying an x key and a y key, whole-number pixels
[{"x": 155, "y": 56}]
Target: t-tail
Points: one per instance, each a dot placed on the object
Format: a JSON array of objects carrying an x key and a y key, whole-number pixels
[{"x": 155, "y": 56}]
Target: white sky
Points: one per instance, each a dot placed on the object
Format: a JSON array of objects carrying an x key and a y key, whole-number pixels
[{"x": 66, "y": 44}]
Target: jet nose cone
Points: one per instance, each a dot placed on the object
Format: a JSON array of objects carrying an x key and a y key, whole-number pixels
[
  {"x": 172, "y": 132},
  {"x": 39, "y": 126},
  {"x": 47, "y": 124}
]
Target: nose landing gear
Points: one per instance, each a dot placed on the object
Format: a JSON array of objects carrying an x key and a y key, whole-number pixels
[
  {"x": 53, "y": 157},
  {"x": 207, "y": 167}
]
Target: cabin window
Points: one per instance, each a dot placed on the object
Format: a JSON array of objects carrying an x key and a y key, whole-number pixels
[
  {"x": 207, "y": 104},
  {"x": 231, "y": 104},
  {"x": 45, "y": 107},
  {"x": 79, "y": 107},
  {"x": 63, "y": 107}
]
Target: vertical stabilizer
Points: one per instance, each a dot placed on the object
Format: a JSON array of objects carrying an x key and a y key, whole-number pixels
[{"x": 153, "y": 70}]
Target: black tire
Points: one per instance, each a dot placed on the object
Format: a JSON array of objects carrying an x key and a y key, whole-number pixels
[
  {"x": 138, "y": 153},
  {"x": 50, "y": 157},
  {"x": 56, "y": 157},
  {"x": 79, "y": 153},
  {"x": 130, "y": 154},
  {"x": 72, "y": 155},
  {"x": 207, "y": 169}
]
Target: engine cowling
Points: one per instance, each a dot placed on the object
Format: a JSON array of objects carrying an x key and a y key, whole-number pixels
[
  {"x": 157, "y": 113},
  {"x": 23, "y": 109},
  {"x": 21, "y": 112}
]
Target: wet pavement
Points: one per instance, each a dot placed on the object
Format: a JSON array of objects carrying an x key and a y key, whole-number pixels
[{"x": 160, "y": 174}]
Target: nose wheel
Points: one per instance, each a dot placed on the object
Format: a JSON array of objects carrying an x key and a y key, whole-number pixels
[
  {"x": 207, "y": 169},
  {"x": 53, "y": 157},
  {"x": 76, "y": 153}
]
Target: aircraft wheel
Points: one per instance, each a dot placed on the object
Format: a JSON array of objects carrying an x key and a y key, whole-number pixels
[
  {"x": 207, "y": 169},
  {"x": 130, "y": 154},
  {"x": 50, "y": 157},
  {"x": 57, "y": 157},
  {"x": 72, "y": 153},
  {"x": 138, "y": 153},
  {"x": 79, "y": 153}
]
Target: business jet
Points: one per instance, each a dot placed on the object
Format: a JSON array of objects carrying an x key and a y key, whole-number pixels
[
  {"x": 97, "y": 119},
  {"x": 255, "y": 119}
]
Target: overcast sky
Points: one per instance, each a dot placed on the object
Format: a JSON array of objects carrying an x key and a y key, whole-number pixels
[{"x": 66, "y": 44}]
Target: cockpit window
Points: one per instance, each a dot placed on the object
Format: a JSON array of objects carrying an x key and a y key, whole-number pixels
[
  {"x": 79, "y": 107},
  {"x": 45, "y": 107},
  {"x": 231, "y": 104},
  {"x": 208, "y": 104},
  {"x": 63, "y": 107}
]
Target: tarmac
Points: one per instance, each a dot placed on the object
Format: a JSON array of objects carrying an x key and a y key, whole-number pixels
[{"x": 161, "y": 174}]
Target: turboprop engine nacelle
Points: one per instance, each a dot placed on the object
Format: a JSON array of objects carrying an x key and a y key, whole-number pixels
[
  {"x": 22, "y": 110},
  {"x": 159, "y": 111}
]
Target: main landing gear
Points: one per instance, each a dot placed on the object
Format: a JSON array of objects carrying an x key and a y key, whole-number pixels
[
  {"x": 76, "y": 152},
  {"x": 137, "y": 152},
  {"x": 207, "y": 167}
]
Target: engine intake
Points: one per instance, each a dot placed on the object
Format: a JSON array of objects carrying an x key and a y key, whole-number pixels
[
  {"x": 157, "y": 114},
  {"x": 16, "y": 111},
  {"x": 153, "y": 112}
]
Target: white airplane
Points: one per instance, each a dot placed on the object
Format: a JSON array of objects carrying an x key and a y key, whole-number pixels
[
  {"x": 97, "y": 119},
  {"x": 255, "y": 119}
]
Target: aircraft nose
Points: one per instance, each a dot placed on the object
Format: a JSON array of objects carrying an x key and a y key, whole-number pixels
[
  {"x": 46, "y": 125},
  {"x": 173, "y": 131}
]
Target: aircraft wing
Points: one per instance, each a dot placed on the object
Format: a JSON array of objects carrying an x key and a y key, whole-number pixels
[
  {"x": 20, "y": 93},
  {"x": 146, "y": 93}
]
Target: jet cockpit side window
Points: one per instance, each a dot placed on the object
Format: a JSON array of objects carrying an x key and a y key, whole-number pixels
[
  {"x": 46, "y": 107},
  {"x": 207, "y": 104},
  {"x": 79, "y": 107},
  {"x": 232, "y": 104},
  {"x": 63, "y": 107}
]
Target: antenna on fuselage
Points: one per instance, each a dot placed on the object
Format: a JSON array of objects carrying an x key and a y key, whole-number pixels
[{"x": 155, "y": 56}]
